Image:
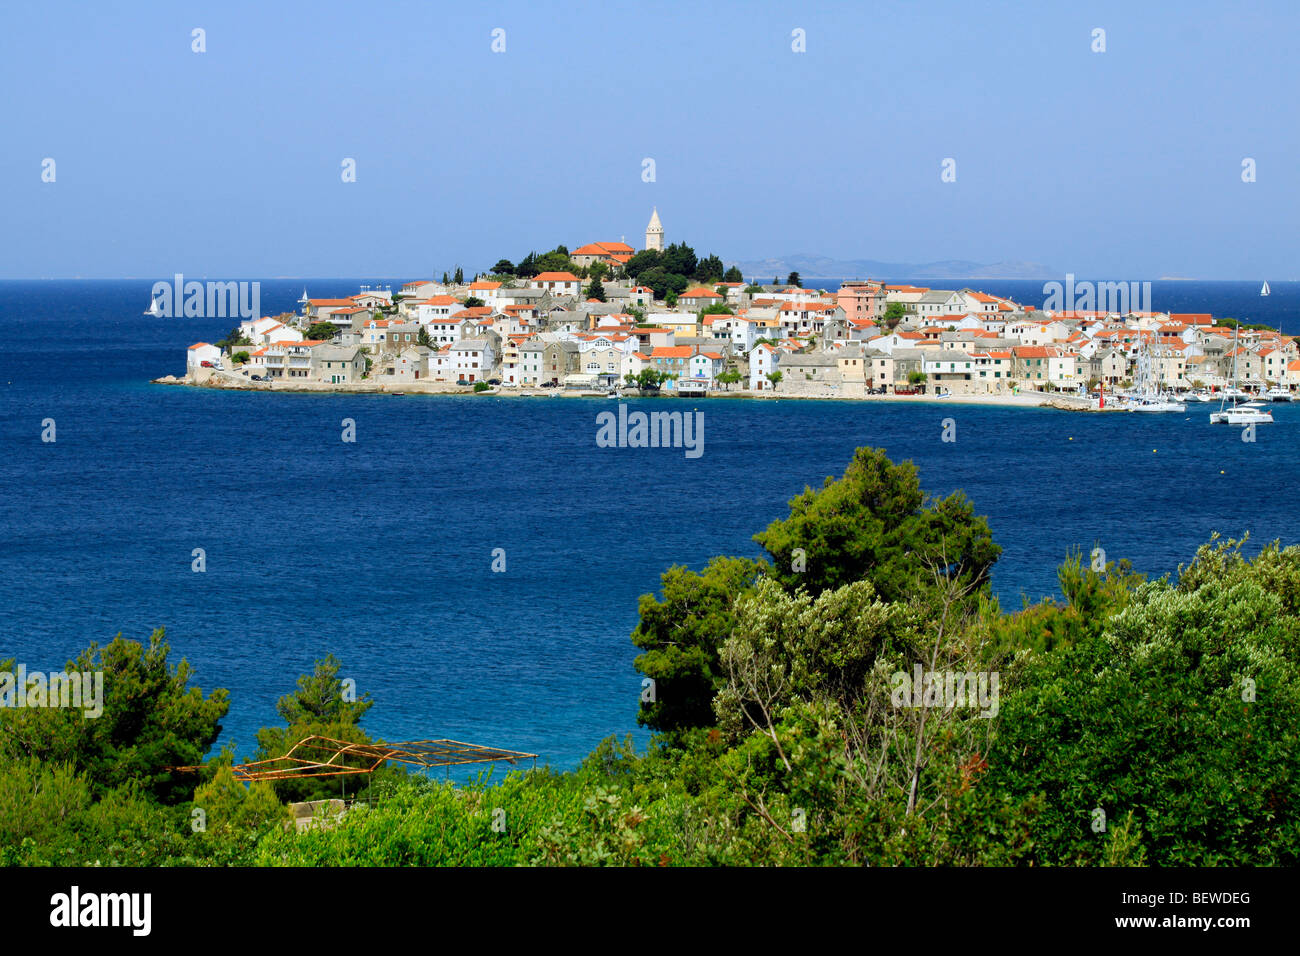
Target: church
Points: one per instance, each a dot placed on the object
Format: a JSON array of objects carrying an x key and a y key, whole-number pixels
[
  {"x": 654, "y": 233},
  {"x": 616, "y": 254}
]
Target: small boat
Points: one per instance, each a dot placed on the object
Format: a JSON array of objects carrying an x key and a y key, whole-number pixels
[
  {"x": 1155, "y": 405},
  {"x": 1279, "y": 393},
  {"x": 1241, "y": 415},
  {"x": 1264, "y": 291},
  {"x": 154, "y": 309}
]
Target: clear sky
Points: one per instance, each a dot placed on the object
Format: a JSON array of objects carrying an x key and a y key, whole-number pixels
[{"x": 1125, "y": 164}]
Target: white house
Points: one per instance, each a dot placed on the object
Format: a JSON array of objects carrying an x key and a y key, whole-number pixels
[
  {"x": 436, "y": 307},
  {"x": 373, "y": 298},
  {"x": 532, "y": 354},
  {"x": 485, "y": 290},
  {"x": 1038, "y": 333},
  {"x": 633, "y": 364},
  {"x": 285, "y": 359},
  {"x": 444, "y": 331},
  {"x": 201, "y": 352},
  {"x": 763, "y": 361},
  {"x": 472, "y": 360},
  {"x": 806, "y": 318},
  {"x": 556, "y": 283},
  {"x": 422, "y": 289},
  {"x": 1063, "y": 370},
  {"x": 943, "y": 362},
  {"x": 980, "y": 303},
  {"x": 706, "y": 367},
  {"x": 939, "y": 302},
  {"x": 601, "y": 354},
  {"x": 267, "y": 330}
]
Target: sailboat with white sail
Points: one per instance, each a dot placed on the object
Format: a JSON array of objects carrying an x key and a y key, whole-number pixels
[
  {"x": 1239, "y": 413},
  {"x": 1264, "y": 291},
  {"x": 154, "y": 309}
]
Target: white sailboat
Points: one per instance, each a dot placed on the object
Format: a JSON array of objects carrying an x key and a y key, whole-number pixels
[
  {"x": 1239, "y": 413},
  {"x": 1264, "y": 291},
  {"x": 154, "y": 309}
]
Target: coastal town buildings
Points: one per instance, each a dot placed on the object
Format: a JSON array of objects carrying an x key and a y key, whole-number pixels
[{"x": 540, "y": 332}]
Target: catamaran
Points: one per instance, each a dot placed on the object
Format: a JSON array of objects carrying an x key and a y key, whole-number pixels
[
  {"x": 1244, "y": 413},
  {"x": 1249, "y": 413},
  {"x": 1279, "y": 393}
]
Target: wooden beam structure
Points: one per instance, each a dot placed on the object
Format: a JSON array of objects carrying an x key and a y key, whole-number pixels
[{"x": 318, "y": 756}]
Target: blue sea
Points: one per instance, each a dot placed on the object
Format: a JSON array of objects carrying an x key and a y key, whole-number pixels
[{"x": 381, "y": 551}]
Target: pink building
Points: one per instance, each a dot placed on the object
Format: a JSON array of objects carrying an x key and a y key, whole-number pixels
[{"x": 862, "y": 300}]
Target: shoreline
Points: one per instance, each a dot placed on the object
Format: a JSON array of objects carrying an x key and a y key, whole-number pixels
[{"x": 1058, "y": 401}]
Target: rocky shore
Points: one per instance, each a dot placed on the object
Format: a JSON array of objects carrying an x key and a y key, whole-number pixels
[{"x": 231, "y": 382}]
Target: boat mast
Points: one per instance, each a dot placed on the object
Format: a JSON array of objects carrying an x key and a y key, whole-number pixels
[{"x": 1236, "y": 335}]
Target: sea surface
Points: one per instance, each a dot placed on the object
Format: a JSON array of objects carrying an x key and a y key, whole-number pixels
[{"x": 381, "y": 551}]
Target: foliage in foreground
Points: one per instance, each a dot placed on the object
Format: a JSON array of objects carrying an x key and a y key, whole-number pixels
[{"x": 1135, "y": 723}]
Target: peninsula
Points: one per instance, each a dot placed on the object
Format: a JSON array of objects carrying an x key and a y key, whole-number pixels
[{"x": 606, "y": 318}]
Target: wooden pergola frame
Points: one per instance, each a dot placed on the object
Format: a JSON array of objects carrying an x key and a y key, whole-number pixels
[{"x": 318, "y": 756}]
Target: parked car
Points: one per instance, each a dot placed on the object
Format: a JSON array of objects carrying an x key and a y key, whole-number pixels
[
  {"x": 206, "y": 364},
  {"x": 494, "y": 381},
  {"x": 258, "y": 378}
]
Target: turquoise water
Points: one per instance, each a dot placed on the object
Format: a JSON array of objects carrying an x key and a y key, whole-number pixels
[{"x": 381, "y": 551}]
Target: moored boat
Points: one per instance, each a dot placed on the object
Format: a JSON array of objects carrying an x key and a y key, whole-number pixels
[
  {"x": 1239, "y": 412},
  {"x": 1241, "y": 415}
]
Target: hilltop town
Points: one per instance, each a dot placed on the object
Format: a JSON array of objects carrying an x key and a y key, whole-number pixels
[{"x": 661, "y": 320}]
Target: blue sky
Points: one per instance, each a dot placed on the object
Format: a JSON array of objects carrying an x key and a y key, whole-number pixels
[{"x": 1123, "y": 164}]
